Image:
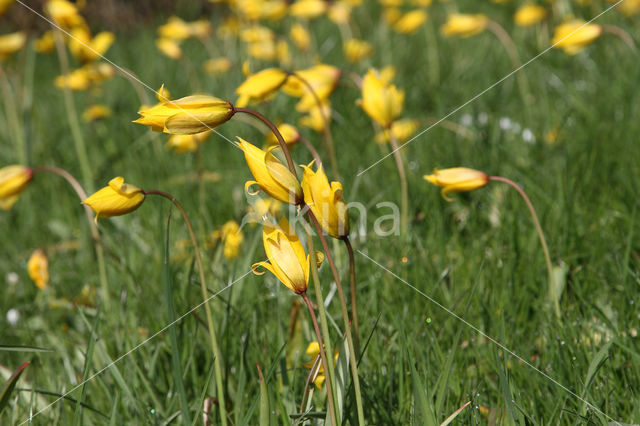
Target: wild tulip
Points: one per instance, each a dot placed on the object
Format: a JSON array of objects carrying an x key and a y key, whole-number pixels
[
  {"x": 325, "y": 201},
  {"x": 575, "y": 35},
  {"x": 382, "y": 101},
  {"x": 38, "y": 269},
  {"x": 116, "y": 199},
  {"x": 457, "y": 179},
  {"x": 464, "y": 25},
  {"x": 13, "y": 180},
  {"x": 260, "y": 86},
  {"x": 529, "y": 14}
]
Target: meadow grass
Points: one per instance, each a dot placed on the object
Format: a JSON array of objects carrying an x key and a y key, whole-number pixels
[{"x": 478, "y": 256}]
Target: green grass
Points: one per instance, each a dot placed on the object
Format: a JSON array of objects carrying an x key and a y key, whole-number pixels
[{"x": 478, "y": 256}]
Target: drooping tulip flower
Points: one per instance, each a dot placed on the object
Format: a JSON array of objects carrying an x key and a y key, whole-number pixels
[
  {"x": 270, "y": 174},
  {"x": 308, "y": 9},
  {"x": 325, "y": 201},
  {"x": 38, "y": 269},
  {"x": 410, "y": 21},
  {"x": 12, "y": 43},
  {"x": 401, "y": 129},
  {"x": 13, "y": 180},
  {"x": 287, "y": 258},
  {"x": 457, "y": 179},
  {"x": 464, "y": 25},
  {"x": 575, "y": 35},
  {"x": 86, "y": 48},
  {"x": 116, "y": 199},
  {"x": 169, "y": 47},
  {"x": 186, "y": 116}
]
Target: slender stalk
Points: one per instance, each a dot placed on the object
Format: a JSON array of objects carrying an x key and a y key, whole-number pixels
[
  {"x": 536, "y": 222},
  {"x": 323, "y": 355},
  {"x": 354, "y": 304},
  {"x": 345, "y": 315},
  {"x": 622, "y": 35},
  {"x": 212, "y": 333},
  {"x": 95, "y": 234},
  {"x": 404, "y": 188},
  {"x": 312, "y": 150},
  {"x": 11, "y": 116},
  {"x": 135, "y": 83},
  {"x": 330, "y": 376},
  {"x": 328, "y": 139},
  {"x": 512, "y": 51},
  {"x": 276, "y": 132},
  {"x": 72, "y": 115}
]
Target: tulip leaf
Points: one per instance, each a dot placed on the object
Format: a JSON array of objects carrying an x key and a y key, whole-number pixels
[
  {"x": 10, "y": 348},
  {"x": 5, "y": 393}
]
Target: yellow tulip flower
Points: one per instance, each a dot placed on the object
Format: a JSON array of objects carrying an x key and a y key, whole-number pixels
[
  {"x": 382, "y": 101},
  {"x": 464, "y": 25},
  {"x": 270, "y": 174},
  {"x": 356, "y": 50},
  {"x": 231, "y": 237},
  {"x": 217, "y": 65},
  {"x": 287, "y": 258},
  {"x": 87, "y": 49},
  {"x": 314, "y": 119},
  {"x": 322, "y": 78},
  {"x": 169, "y": 47},
  {"x": 12, "y": 43},
  {"x": 300, "y": 37},
  {"x": 457, "y": 179},
  {"x": 313, "y": 350},
  {"x": 325, "y": 201},
  {"x": 13, "y": 180},
  {"x": 175, "y": 29},
  {"x": 340, "y": 12},
  {"x": 260, "y": 86},
  {"x": 410, "y": 21},
  {"x": 96, "y": 112},
  {"x": 63, "y": 13},
  {"x": 186, "y": 116},
  {"x": 402, "y": 130},
  {"x": 308, "y": 9},
  {"x": 573, "y": 36},
  {"x": 116, "y": 199},
  {"x": 187, "y": 143},
  {"x": 529, "y": 14},
  {"x": 46, "y": 43},
  {"x": 38, "y": 269},
  {"x": 290, "y": 134}
]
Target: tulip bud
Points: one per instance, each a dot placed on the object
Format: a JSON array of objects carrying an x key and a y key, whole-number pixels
[
  {"x": 38, "y": 269},
  {"x": 13, "y": 180},
  {"x": 457, "y": 179},
  {"x": 116, "y": 199}
]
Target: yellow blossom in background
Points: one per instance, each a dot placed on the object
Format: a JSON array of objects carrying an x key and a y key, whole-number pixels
[
  {"x": 175, "y": 29},
  {"x": 231, "y": 237},
  {"x": 529, "y": 14},
  {"x": 308, "y": 9},
  {"x": 402, "y": 130},
  {"x": 186, "y": 116},
  {"x": 287, "y": 259},
  {"x": 289, "y": 133},
  {"x": 13, "y": 180},
  {"x": 260, "y": 85},
  {"x": 315, "y": 117},
  {"x": 265, "y": 50},
  {"x": 382, "y": 101},
  {"x": 83, "y": 78},
  {"x": 230, "y": 28},
  {"x": 322, "y": 78},
  {"x": 410, "y": 21},
  {"x": 217, "y": 65},
  {"x": 87, "y": 49},
  {"x": 629, "y": 7},
  {"x": 187, "y": 143},
  {"x": 261, "y": 208},
  {"x": 38, "y": 269},
  {"x": 457, "y": 179},
  {"x": 391, "y": 15},
  {"x": 169, "y": 47},
  {"x": 283, "y": 54},
  {"x": 575, "y": 35},
  {"x": 257, "y": 34},
  {"x": 12, "y": 43},
  {"x": 96, "y": 112},
  {"x": 116, "y": 199},
  {"x": 63, "y": 13},
  {"x": 5, "y": 5},
  {"x": 46, "y": 43},
  {"x": 300, "y": 37},
  {"x": 356, "y": 50},
  {"x": 313, "y": 350},
  {"x": 270, "y": 174},
  {"x": 325, "y": 201},
  {"x": 464, "y": 25},
  {"x": 340, "y": 12}
]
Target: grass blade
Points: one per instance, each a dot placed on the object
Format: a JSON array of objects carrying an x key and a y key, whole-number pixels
[
  {"x": 23, "y": 349},
  {"x": 264, "y": 400},
  {"x": 5, "y": 393},
  {"x": 454, "y": 415}
]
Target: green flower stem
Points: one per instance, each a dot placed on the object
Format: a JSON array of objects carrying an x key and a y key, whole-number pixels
[
  {"x": 328, "y": 139},
  {"x": 72, "y": 115},
  {"x": 212, "y": 333},
  {"x": 404, "y": 188},
  {"x": 329, "y": 368},
  {"x": 354, "y": 304},
  {"x": 95, "y": 234},
  {"x": 622, "y": 35},
  {"x": 12, "y": 117},
  {"x": 323, "y": 355},
  {"x": 512, "y": 51},
  {"x": 536, "y": 222},
  {"x": 276, "y": 132},
  {"x": 345, "y": 315}
]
